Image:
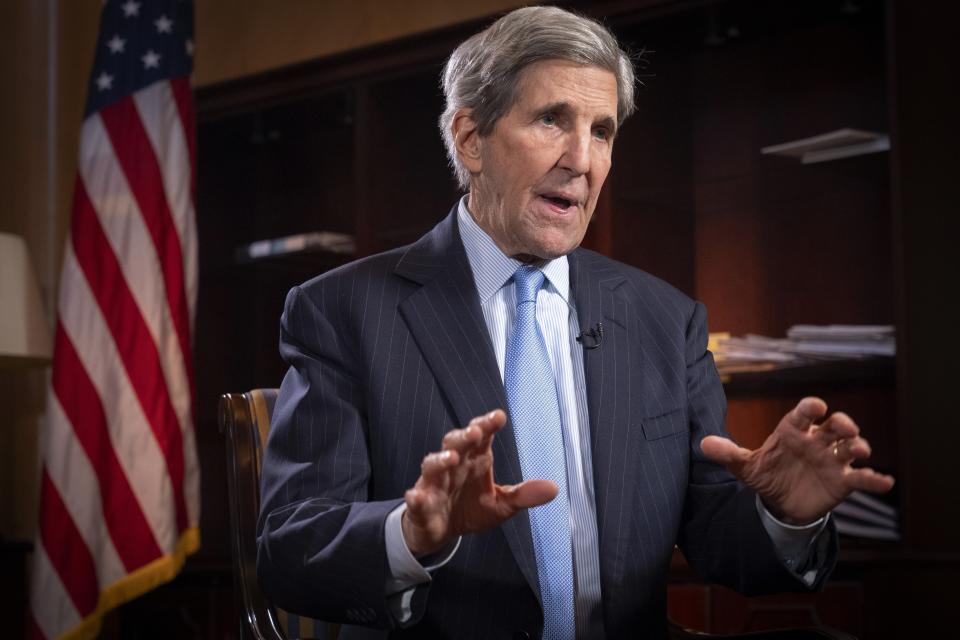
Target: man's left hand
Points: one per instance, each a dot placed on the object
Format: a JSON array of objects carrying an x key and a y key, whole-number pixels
[{"x": 803, "y": 469}]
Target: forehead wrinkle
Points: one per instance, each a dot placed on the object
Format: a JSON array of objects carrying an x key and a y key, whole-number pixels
[{"x": 531, "y": 84}]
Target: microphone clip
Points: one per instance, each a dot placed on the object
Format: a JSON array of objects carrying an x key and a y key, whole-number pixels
[{"x": 591, "y": 338}]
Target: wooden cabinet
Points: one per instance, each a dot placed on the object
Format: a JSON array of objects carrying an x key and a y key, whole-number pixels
[{"x": 350, "y": 144}]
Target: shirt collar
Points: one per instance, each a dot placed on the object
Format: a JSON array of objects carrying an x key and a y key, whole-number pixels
[{"x": 492, "y": 268}]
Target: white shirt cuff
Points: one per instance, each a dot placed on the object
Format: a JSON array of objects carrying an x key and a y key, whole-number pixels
[
  {"x": 406, "y": 571},
  {"x": 792, "y": 542}
]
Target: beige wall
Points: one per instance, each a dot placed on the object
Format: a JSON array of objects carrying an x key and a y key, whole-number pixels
[
  {"x": 240, "y": 37},
  {"x": 46, "y": 49},
  {"x": 23, "y": 183}
]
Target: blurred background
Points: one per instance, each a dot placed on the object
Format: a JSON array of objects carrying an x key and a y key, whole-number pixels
[{"x": 317, "y": 119}]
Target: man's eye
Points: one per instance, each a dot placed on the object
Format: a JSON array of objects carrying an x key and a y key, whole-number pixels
[
  {"x": 601, "y": 133},
  {"x": 548, "y": 119}
]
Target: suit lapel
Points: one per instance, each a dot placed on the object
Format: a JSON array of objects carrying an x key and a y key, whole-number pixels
[
  {"x": 607, "y": 370},
  {"x": 445, "y": 319}
]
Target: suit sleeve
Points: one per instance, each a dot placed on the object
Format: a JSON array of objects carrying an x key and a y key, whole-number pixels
[
  {"x": 722, "y": 535},
  {"x": 321, "y": 549}
]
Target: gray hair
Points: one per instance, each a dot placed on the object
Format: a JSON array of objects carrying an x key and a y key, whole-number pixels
[{"x": 483, "y": 72}]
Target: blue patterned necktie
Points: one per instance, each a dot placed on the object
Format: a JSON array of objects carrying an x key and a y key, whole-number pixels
[{"x": 535, "y": 412}]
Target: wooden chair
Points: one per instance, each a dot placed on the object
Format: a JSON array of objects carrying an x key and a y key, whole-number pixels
[{"x": 245, "y": 424}]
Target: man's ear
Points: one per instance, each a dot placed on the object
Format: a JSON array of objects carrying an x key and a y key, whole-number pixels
[{"x": 467, "y": 140}]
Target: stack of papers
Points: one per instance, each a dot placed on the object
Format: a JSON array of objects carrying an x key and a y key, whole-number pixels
[
  {"x": 863, "y": 516},
  {"x": 328, "y": 241},
  {"x": 804, "y": 344},
  {"x": 749, "y": 353},
  {"x": 843, "y": 340}
]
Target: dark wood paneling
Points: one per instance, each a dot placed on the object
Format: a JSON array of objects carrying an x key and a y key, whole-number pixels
[
  {"x": 839, "y": 606},
  {"x": 409, "y": 187},
  {"x": 651, "y": 183},
  {"x": 772, "y": 234},
  {"x": 925, "y": 159}
]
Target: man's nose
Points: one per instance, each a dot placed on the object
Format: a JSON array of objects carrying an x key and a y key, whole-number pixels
[{"x": 576, "y": 153}]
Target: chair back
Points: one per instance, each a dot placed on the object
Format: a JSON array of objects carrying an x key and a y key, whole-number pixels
[{"x": 245, "y": 424}]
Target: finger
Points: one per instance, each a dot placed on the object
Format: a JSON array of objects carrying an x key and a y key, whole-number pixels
[
  {"x": 869, "y": 480},
  {"x": 531, "y": 493},
  {"x": 433, "y": 469},
  {"x": 490, "y": 423},
  {"x": 856, "y": 449},
  {"x": 805, "y": 413},
  {"x": 462, "y": 440},
  {"x": 422, "y": 508},
  {"x": 838, "y": 426},
  {"x": 415, "y": 500},
  {"x": 725, "y": 451}
]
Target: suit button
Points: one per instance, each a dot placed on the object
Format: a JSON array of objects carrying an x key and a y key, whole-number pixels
[{"x": 521, "y": 635}]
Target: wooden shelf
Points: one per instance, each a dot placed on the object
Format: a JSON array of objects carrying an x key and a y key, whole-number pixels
[
  {"x": 835, "y": 145},
  {"x": 840, "y": 374}
]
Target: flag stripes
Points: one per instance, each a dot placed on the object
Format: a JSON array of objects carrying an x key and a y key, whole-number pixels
[
  {"x": 135, "y": 347},
  {"x": 171, "y": 142},
  {"x": 120, "y": 501},
  {"x": 80, "y": 489},
  {"x": 135, "y": 153},
  {"x": 55, "y": 611},
  {"x": 172, "y": 139},
  {"x": 108, "y": 192},
  {"x": 131, "y": 437},
  {"x": 69, "y": 556},
  {"x": 132, "y": 537},
  {"x": 183, "y": 96}
]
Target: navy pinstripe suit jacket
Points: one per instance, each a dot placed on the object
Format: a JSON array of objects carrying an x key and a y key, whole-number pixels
[{"x": 388, "y": 353}]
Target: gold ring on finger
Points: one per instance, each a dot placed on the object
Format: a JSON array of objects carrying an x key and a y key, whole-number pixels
[{"x": 836, "y": 447}]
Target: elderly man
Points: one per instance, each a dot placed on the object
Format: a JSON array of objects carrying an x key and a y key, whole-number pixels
[{"x": 574, "y": 414}]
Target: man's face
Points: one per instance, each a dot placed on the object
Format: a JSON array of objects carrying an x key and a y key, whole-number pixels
[{"x": 536, "y": 178}]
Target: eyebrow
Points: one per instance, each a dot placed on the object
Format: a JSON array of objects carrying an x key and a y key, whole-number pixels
[{"x": 564, "y": 107}]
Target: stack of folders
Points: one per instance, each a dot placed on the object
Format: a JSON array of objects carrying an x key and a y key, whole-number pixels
[
  {"x": 863, "y": 516},
  {"x": 842, "y": 340},
  {"x": 750, "y": 353},
  {"x": 804, "y": 344},
  {"x": 327, "y": 241}
]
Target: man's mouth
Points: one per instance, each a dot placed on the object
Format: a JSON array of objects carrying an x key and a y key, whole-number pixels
[{"x": 559, "y": 201}]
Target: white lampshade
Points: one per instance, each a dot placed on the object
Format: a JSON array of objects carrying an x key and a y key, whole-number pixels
[{"x": 24, "y": 335}]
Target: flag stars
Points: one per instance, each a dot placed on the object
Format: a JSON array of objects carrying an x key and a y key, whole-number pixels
[
  {"x": 189, "y": 47},
  {"x": 164, "y": 24},
  {"x": 104, "y": 81},
  {"x": 116, "y": 44},
  {"x": 151, "y": 59},
  {"x": 131, "y": 9}
]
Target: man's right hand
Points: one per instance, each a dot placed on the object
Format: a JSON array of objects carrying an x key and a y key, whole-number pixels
[{"x": 455, "y": 493}]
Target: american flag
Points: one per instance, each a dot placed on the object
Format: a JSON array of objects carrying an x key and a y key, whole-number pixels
[{"x": 119, "y": 487}]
